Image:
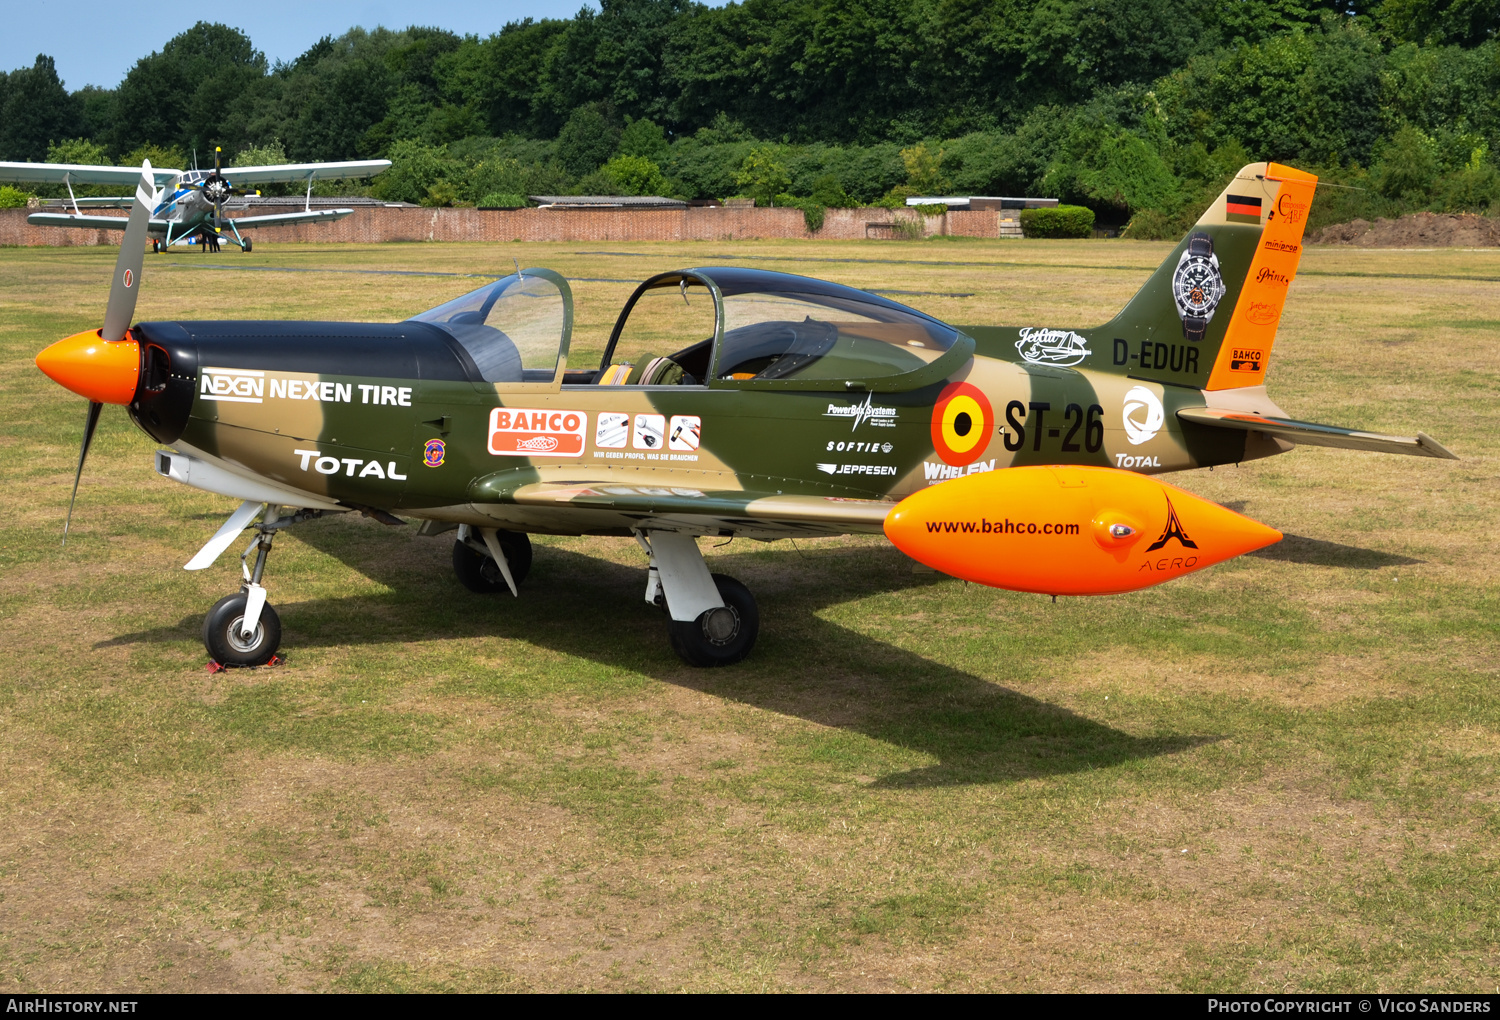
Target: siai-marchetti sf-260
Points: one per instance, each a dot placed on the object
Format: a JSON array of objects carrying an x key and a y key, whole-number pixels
[{"x": 734, "y": 402}]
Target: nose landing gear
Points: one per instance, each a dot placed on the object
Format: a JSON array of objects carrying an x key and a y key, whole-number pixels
[{"x": 243, "y": 629}]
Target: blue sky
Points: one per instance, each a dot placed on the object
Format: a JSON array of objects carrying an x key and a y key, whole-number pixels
[{"x": 95, "y": 43}]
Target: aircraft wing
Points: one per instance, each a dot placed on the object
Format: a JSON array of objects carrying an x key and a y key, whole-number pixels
[
  {"x": 1308, "y": 433},
  {"x": 289, "y": 172},
  {"x": 279, "y": 219},
  {"x": 78, "y": 173},
  {"x": 663, "y": 506},
  {"x": 42, "y": 219}
]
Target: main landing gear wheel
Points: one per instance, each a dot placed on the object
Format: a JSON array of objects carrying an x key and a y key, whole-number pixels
[
  {"x": 479, "y": 572},
  {"x": 228, "y": 646},
  {"x": 720, "y": 636},
  {"x": 246, "y": 246}
]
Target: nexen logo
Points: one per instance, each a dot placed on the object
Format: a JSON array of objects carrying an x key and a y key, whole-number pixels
[{"x": 239, "y": 385}]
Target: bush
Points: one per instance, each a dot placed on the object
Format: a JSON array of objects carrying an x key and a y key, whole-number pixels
[
  {"x": 503, "y": 202},
  {"x": 1150, "y": 225},
  {"x": 1060, "y": 221},
  {"x": 12, "y": 198},
  {"x": 812, "y": 211},
  {"x": 635, "y": 175}
]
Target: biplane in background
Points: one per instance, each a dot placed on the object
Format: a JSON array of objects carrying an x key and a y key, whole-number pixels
[
  {"x": 734, "y": 402},
  {"x": 184, "y": 204}
]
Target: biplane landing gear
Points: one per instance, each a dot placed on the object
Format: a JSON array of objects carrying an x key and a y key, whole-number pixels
[
  {"x": 487, "y": 568},
  {"x": 713, "y": 619}
]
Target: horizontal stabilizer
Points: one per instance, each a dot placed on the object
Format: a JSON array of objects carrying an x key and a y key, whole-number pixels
[{"x": 1306, "y": 433}]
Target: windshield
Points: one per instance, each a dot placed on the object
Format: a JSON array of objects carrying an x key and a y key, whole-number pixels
[
  {"x": 836, "y": 334},
  {"x": 514, "y": 328}
]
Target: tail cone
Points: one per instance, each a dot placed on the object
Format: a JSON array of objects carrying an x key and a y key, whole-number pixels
[{"x": 104, "y": 371}]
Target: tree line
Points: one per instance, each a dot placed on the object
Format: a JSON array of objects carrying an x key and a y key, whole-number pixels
[{"x": 1138, "y": 109}]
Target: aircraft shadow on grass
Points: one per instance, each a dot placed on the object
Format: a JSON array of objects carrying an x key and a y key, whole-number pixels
[
  {"x": 979, "y": 731},
  {"x": 1316, "y": 552}
]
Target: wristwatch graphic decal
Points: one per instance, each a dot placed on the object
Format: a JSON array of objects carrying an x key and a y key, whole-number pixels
[{"x": 1197, "y": 286}]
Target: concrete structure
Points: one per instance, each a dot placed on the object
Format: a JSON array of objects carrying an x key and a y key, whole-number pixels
[{"x": 1009, "y": 208}]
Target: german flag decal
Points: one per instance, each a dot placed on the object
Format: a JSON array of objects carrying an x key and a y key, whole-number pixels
[{"x": 1239, "y": 209}]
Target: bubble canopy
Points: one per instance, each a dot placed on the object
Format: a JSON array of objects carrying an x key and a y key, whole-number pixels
[
  {"x": 778, "y": 330},
  {"x": 516, "y": 329}
]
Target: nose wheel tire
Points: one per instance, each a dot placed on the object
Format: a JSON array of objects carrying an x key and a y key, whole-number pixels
[
  {"x": 225, "y": 643},
  {"x": 722, "y": 636},
  {"x": 479, "y": 573}
]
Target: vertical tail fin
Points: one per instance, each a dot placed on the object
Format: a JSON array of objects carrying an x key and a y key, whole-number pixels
[{"x": 1208, "y": 316}]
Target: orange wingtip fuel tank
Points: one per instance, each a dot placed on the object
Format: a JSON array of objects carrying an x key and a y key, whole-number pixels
[
  {"x": 1068, "y": 530},
  {"x": 102, "y": 370}
]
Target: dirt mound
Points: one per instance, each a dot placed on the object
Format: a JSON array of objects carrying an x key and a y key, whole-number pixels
[{"x": 1419, "y": 230}]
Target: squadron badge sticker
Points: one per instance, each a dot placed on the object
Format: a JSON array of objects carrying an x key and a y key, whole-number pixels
[
  {"x": 1197, "y": 286},
  {"x": 434, "y": 452}
]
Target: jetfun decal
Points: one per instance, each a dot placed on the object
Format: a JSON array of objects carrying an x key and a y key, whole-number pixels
[
  {"x": 878, "y": 417},
  {"x": 522, "y": 432},
  {"x": 1060, "y": 347}
]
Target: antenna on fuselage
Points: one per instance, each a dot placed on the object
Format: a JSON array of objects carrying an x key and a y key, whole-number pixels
[{"x": 518, "y": 266}]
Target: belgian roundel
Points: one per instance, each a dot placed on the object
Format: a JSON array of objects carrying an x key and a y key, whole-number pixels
[{"x": 961, "y": 424}]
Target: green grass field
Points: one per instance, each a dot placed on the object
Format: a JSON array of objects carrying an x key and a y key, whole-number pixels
[{"x": 1279, "y": 773}]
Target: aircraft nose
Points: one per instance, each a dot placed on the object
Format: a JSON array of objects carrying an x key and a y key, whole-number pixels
[{"x": 102, "y": 370}]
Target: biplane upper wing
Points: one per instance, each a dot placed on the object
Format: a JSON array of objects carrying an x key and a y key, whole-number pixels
[
  {"x": 303, "y": 172},
  {"x": 79, "y": 173}
]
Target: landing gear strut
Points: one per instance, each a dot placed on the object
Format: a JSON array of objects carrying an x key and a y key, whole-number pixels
[
  {"x": 714, "y": 619},
  {"x": 242, "y": 629}
]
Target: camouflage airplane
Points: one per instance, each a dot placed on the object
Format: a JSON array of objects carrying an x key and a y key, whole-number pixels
[
  {"x": 186, "y": 203},
  {"x": 734, "y": 402}
]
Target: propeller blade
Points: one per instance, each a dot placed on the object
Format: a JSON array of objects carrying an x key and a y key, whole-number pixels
[
  {"x": 122, "y": 292},
  {"x": 89, "y": 425}
]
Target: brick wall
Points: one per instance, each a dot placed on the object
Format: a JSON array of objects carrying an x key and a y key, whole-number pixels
[{"x": 377, "y": 224}]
